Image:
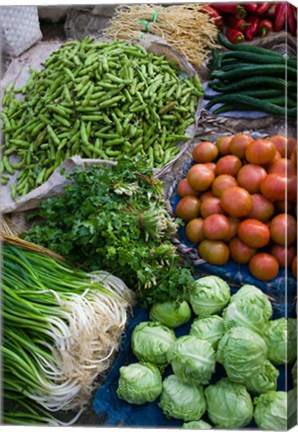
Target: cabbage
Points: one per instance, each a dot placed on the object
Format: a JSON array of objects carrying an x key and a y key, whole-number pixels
[
  {"x": 139, "y": 383},
  {"x": 181, "y": 400},
  {"x": 292, "y": 408},
  {"x": 245, "y": 313},
  {"x": 242, "y": 353},
  {"x": 271, "y": 410},
  {"x": 250, "y": 292},
  {"x": 150, "y": 342},
  {"x": 210, "y": 329},
  {"x": 264, "y": 380},
  {"x": 281, "y": 339},
  {"x": 201, "y": 424},
  {"x": 294, "y": 374},
  {"x": 209, "y": 296},
  {"x": 170, "y": 314},
  {"x": 229, "y": 405},
  {"x": 192, "y": 359}
]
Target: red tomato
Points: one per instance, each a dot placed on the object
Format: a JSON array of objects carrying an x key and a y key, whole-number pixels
[
  {"x": 263, "y": 266},
  {"x": 284, "y": 256},
  {"x": 280, "y": 143},
  {"x": 249, "y": 177},
  {"x": 221, "y": 183},
  {"x": 260, "y": 152},
  {"x": 240, "y": 251},
  {"x": 184, "y": 189},
  {"x": 291, "y": 145},
  {"x": 223, "y": 144},
  {"x": 283, "y": 229},
  {"x": 188, "y": 208},
  {"x": 262, "y": 208},
  {"x": 216, "y": 227},
  {"x": 200, "y": 177},
  {"x": 294, "y": 157},
  {"x": 214, "y": 251},
  {"x": 276, "y": 158},
  {"x": 194, "y": 230},
  {"x": 239, "y": 143},
  {"x": 273, "y": 187},
  {"x": 234, "y": 224},
  {"x": 206, "y": 195},
  {"x": 292, "y": 188},
  {"x": 254, "y": 233},
  {"x": 236, "y": 202},
  {"x": 229, "y": 164},
  {"x": 204, "y": 152},
  {"x": 211, "y": 165},
  {"x": 294, "y": 267},
  {"x": 282, "y": 166},
  {"x": 211, "y": 206}
]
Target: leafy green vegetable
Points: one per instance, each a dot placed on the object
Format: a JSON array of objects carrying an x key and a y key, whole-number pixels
[
  {"x": 292, "y": 408},
  {"x": 242, "y": 353},
  {"x": 210, "y": 295},
  {"x": 229, "y": 405},
  {"x": 150, "y": 342},
  {"x": 210, "y": 329},
  {"x": 201, "y": 424},
  {"x": 171, "y": 314},
  {"x": 271, "y": 411},
  {"x": 250, "y": 292},
  {"x": 115, "y": 218},
  {"x": 181, "y": 400},
  {"x": 281, "y": 339},
  {"x": 139, "y": 383},
  {"x": 192, "y": 359},
  {"x": 264, "y": 380}
]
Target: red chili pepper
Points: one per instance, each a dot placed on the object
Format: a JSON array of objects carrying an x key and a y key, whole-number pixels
[
  {"x": 264, "y": 27},
  {"x": 251, "y": 7},
  {"x": 280, "y": 16},
  {"x": 262, "y": 8},
  {"x": 232, "y": 8},
  {"x": 237, "y": 24},
  {"x": 218, "y": 20},
  {"x": 292, "y": 26},
  {"x": 251, "y": 31},
  {"x": 234, "y": 36}
]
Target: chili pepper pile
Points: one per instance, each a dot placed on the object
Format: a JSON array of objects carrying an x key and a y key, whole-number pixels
[{"x": 249, "y": 20}]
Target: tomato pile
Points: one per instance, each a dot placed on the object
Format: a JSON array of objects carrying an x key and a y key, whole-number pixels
[{"x": 238, "y": 201}]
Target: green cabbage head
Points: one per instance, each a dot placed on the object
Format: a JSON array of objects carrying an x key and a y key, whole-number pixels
[
  {"x": 209, "y": 296},
  {"x": 192, "y": 359},
  {"x": 264, "y": 380},
  {"x": 170, "y": 314},
  {"x": 182, "y": 400},
  {"x": 150, "y": 342},
  {"x": 201, "y": 424},
  {"x": 242, "y": 352},
  {"x": 281, "y": 339},
  {"x": 229, "y": 405},
  {"x": 210, "y": 329},
  {"x": 250, "y": 292},
  {"x": 271, "y": 410},
  {"x": 139, "y": 383},
  {"x": 292, "y": 408}
]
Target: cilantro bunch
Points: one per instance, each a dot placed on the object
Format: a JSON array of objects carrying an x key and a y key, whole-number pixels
[{"x": 116, "y": 219}]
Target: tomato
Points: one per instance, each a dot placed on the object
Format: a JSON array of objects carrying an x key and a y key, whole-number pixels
[
  {"x": 216, "y": 227},
  {"x": 229, "y": 164},
  {"x": 262, "y": 208},
  {"x": 294, "y": 267},
  {"x": 260, "y": 151},
  {"x": 280, "y": 143},
  {"x": 239, "y": 143},
  {"x": 221, "y": 183},
  {"x": 204, "y": 152},
  {"x": 223, "y": 144},
  {"x": 211, "y": 206},
  {"x": 211, "y": 165},
  {"x": 284, "y": 256},
  {"x": 276, "y": 158},
  {"x": 206, "y": 195},
  {"x": 283, "y": 229},
  {"x": 284, "y": 206},
  {"x": 200, "y": 177},
  {"x": 214, "y": 251},
  {"x": 291, "y": 145},
  {"x": 292, "y": 188},
  {"x": 184, "y": 189},
  {"x": 234, "y": 224},
  {"x": 188, "y": 208},
  {"x": 263, "y": 266},
  {"x": 236, "y": 201},
  {"x": 294, "y": 157},
  {"x": 273, "y": 187},
  {"x": 254, "y": 233},
  {"x": 194, "y": 230},
  {"x": 240, "y": 251},
  {"x": 250, "y": 176},
  {"x": 282, "y": 166}
]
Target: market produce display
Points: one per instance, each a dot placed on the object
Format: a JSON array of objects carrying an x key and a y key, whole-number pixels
[
  {"x": 238, "y": 201},
  {"x": 98, "y": 100},
  {"x": 61, "y": 327}
]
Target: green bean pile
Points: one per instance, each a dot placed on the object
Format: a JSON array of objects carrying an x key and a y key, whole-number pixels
[{"x": 97, "y": 100}]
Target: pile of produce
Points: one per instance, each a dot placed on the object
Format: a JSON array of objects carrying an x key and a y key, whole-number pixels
[
  {"x": 236, "y": 331},
  {"x": 116, "y": 219},
  {"x": 248, "y": 78},
  {"x": 238, "y": 200},
  {"x": 189, "y": 28},
  {"x": 61, "y": 329},
  {"x": 97, "y": 100}
]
